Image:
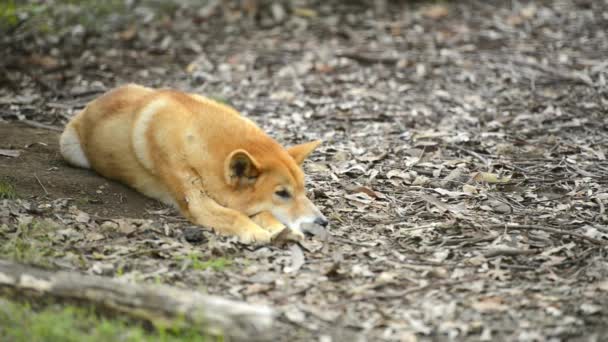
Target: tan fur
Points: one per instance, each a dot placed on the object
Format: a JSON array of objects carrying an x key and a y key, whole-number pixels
[{"x": 183, "y": 149}]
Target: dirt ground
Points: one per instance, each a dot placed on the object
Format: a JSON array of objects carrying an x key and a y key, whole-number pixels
[
  {"x": 40, "y": 174},
  {"x": 463, "y": 168}
]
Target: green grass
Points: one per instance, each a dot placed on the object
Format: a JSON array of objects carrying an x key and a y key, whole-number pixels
[
  {"x": 29, "y": 244},
  {"x": 217, "y": 264},
  {"x": 56, "y": 16},
  {"x": 52, "y": 18},
  {"x": 7, "y": 190},
  {"x": 21, "y": 323}
]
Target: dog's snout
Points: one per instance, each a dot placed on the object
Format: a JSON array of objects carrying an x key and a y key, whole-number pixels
[{"x": 321, "y": 221}]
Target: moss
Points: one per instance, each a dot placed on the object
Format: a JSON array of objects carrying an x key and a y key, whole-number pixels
[{"x": 7, "y": 190}]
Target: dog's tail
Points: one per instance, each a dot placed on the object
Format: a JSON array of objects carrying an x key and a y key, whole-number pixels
[{"x": 70, "y": 146}]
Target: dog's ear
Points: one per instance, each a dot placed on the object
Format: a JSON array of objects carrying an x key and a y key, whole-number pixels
[
  {"x": 302, "y": 151},
  {"x": 241, "y": 168}
]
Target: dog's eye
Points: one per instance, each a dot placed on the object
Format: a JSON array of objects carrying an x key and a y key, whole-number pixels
[{"x": 283, "y": 194}]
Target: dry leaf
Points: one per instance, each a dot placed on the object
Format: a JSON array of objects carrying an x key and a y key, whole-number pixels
[
  {"x": 286, "y": 236},
  {"x": 10, "y": 153},
  {"x": 491, "y": 178},
  {"x": 126, "y": 227},
  {"x": 469, "y": 189},
  {"x": 46, "y": 62},
  {"x": 82, "y": 217},
  {"x": 305, "y": 12},
  {"x": 129, "y": 33},
  {"x": 436, "y": 11},
  {"x": 365, "y": 190},
  {"x": 297, "y": 259},
  {"x": 490, "y": 304}
]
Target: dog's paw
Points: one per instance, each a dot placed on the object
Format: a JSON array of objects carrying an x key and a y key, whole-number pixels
[
  {"x": 268, "y": 222},
  {"x": 274, "y": 228},
  {"x": 257, "y": 235}
]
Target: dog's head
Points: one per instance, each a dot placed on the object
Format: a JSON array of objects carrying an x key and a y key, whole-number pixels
[{"x": 271, "y": 179}]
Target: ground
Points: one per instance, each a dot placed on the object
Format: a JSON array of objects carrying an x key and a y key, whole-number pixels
[{"x": 463, "y": 167}]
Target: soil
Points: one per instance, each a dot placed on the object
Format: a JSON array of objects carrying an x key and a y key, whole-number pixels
[
  {"x": 463, "y": 167},
  {"x": 40, "y": 174}
]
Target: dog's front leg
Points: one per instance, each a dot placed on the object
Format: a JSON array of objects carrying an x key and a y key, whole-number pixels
[
  {"x": 267, "y": 221},
  {"x": 207, "y": 212},
  {"x": 199, "y": 208}
]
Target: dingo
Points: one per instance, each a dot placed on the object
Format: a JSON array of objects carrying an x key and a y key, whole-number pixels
[{"x": 183, "y": 149}]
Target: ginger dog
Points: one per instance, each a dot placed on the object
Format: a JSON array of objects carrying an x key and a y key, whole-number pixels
[{"x": 186, "y": 150}]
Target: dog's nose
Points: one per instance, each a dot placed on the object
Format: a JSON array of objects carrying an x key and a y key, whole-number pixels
[{"x": 321, "y": 222}]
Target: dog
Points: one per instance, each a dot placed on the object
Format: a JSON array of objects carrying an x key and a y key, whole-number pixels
[{"x": 218, "y": 167}]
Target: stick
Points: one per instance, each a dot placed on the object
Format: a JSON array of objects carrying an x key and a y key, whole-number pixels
[
  {"x": 367, "y": 58},
  {"x": 41, "y": 125},
  {"x": 548, "y": 229},
  {"x": 401, "y": 294},
  {"x": 42, "y": 186},
  {"x": 507, "y": 252},
  {"x": 158, "y": 304}
]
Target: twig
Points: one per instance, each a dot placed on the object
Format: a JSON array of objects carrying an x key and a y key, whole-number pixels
[
  {"x": 42, "y": 83},
  {"x": 404, "y": 293},
  {"x": 507, "y": 252},
  {"x": 41, "y": 125},
  {"x": 576, "y": 77},
  {"x": 293, "y": 293},
  {"x": 578, "y": 258},
  {"x": 547, "y": 229},
  {"x": 368, "y": 58},
  {"x": 427, "y": 226},
  {"x": 42, "y": 186},
  {"x": 354, "y": 243},
  {"x": 474, "y": 154},
  {"x": 470, "y": 242},
  {"x": 150, "y": 250},
  {"x": 601, "y": 205},
  {"x": 551, "y": 199},
  {"x": 86, "y": 93}
]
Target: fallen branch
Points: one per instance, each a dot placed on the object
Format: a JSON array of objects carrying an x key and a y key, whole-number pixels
[{"x": 158, "y": 304}]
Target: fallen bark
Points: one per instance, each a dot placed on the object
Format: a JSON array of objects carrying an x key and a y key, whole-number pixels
[{"x": 158, "y": 304}]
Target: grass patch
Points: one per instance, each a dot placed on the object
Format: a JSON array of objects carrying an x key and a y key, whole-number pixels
[
  {"x": 217, "y": 264},
  {"x": 21, "y": 323},
  {"x": 29, "y": 244},
  {"x": 13, "y": 12},
  {"x": 59, "y": 15},
  {"x": 7, "y": 190}
]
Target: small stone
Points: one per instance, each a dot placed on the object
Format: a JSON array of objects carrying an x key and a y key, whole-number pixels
[{"x": 194, "y": 235}]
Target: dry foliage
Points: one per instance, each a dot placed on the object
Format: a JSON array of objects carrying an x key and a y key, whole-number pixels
[{"x": 464, "y": 166}]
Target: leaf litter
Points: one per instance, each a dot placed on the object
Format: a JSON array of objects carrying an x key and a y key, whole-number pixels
[{"x": 463, "y": 167}]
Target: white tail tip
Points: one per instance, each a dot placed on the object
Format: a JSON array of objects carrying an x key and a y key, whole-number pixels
[{"x": 71, "y": 149}]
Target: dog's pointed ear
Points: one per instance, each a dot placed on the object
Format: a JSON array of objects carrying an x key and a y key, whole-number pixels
[
  {"x": 302, "y": 151},
  {"x": 241, "y": 168}
]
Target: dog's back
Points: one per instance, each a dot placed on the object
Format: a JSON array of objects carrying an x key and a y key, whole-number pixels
[
  {"x": 101, "y": 137},
  {"x": 116, "y": 103}
]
